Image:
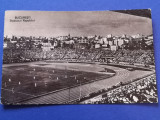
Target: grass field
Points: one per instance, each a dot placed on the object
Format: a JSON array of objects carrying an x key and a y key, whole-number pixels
[{"x": 24, "y": 81}]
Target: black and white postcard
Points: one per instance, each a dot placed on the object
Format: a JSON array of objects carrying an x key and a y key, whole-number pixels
[{"x": 78, "y": 57}]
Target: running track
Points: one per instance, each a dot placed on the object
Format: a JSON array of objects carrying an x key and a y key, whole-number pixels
[{"x": 61, "y": 97}]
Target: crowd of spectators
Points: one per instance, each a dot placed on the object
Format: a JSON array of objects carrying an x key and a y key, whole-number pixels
[
  {"x": 143, "y": 90},
  {"x": 135, "y": 56},
  {"x": 79, "y": 55}
]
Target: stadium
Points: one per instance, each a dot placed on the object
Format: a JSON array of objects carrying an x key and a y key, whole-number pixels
[
  {"x": 59, "y": 59},
  {"x": 68, "y": 79}
]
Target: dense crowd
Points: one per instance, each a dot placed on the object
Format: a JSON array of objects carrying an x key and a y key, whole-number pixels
[
  {"x": 140, "y": 91},
  {"x": 135, "y": 56},
  {"x": 80, "y": 55}
]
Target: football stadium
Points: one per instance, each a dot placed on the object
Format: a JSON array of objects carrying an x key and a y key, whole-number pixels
[
  {"x": 59, "y": 59},
  {"x": 78, "y": 76}
]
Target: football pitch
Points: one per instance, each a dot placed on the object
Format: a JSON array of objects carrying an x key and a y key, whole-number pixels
[{"x": 21, "y": 82}]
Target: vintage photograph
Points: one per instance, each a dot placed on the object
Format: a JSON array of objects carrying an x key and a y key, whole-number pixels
[{"x": 78, "y": 57}]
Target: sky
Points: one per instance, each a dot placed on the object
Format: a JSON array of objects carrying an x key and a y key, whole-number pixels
[{"x": 80, "y": 23}]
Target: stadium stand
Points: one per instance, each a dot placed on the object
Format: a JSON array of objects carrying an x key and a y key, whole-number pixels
[
  {"x": 92, "y": 55},
  {"x": 142, "y": 91}
]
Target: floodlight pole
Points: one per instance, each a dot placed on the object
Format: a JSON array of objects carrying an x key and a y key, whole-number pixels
[
  {"x": 69, "y": 93},
  {"x": 80, "y": 91},
  {"x": 68, "y": 85}
]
